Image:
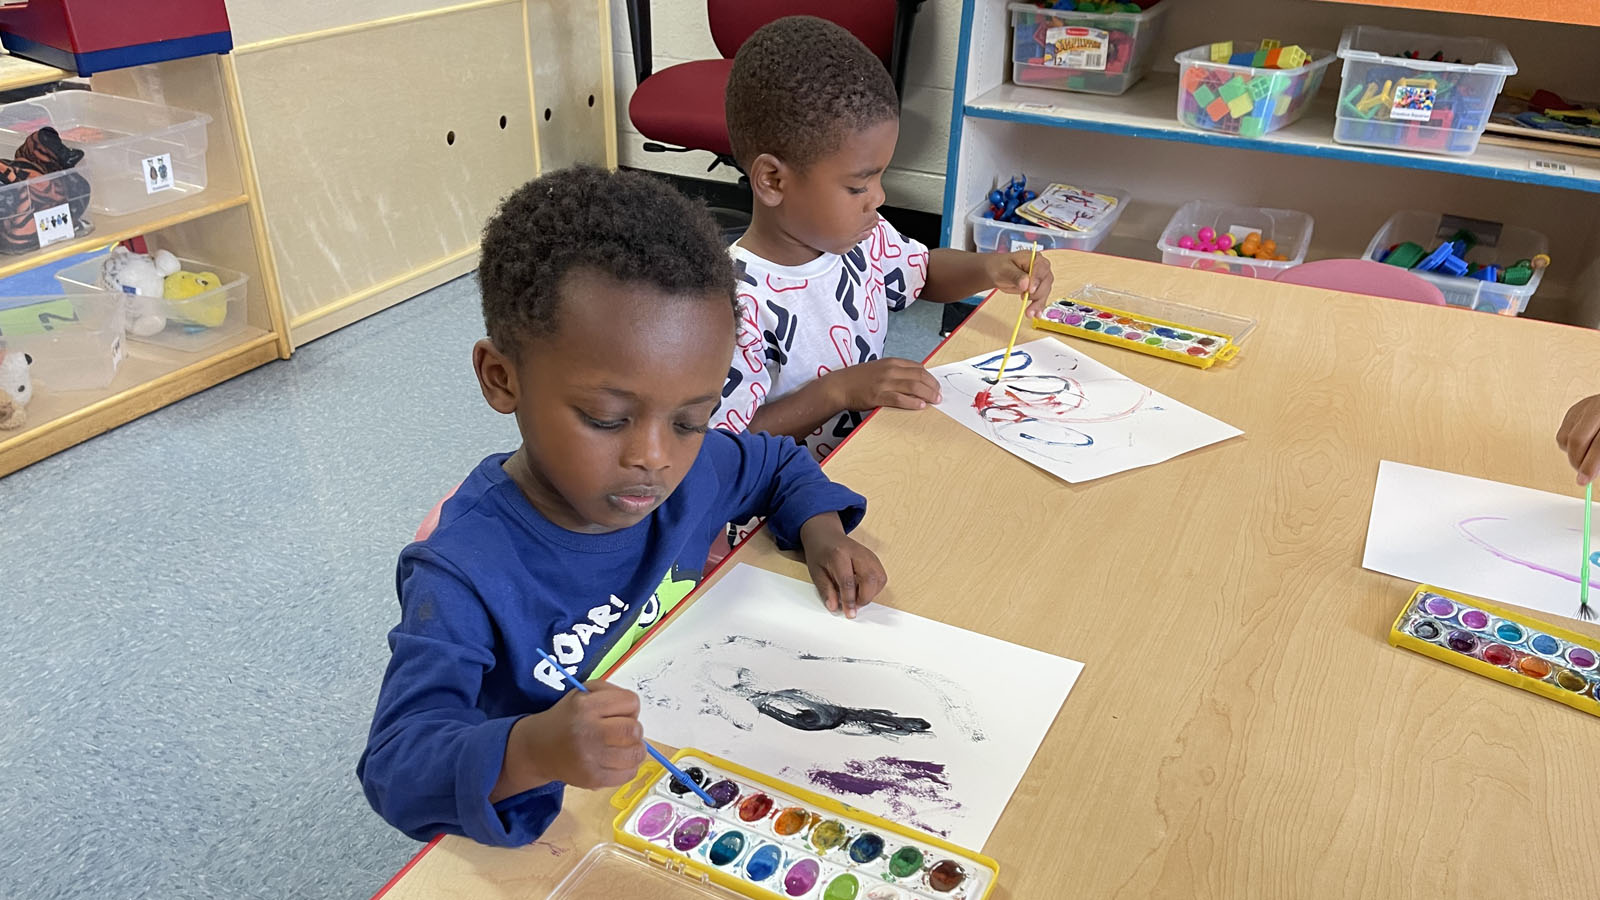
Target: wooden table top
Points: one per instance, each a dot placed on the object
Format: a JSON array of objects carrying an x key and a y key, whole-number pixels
[{"x": 1241, "y": 727}]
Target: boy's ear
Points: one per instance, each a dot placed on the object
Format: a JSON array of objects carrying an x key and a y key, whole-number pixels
[
  {"x": 497, "y": 377},
  {"x": 769, "y": 178}
]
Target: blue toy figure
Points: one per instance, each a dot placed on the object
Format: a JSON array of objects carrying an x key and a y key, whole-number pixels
[{"x": 1003, "y": 202}]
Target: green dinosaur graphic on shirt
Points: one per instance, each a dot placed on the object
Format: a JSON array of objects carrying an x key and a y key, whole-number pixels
[{"x": 676, "y": 585}]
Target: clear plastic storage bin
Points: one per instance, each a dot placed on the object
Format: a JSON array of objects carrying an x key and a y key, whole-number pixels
[
  {"x": 135, "y": 154},
  {"x": 1289, "y": 228},
  {"x": 990, "y": 235},
  {"x": 30, "y": 206},
  {"x": 1389, "y": 100},
  {"x": 1096, "y": 53},
  {"x": 1245, "y": 100},
  {"x": 1511, "y": 245},
  {"x": 194, "y": 323},
  {"x": 75, "y": 339}
]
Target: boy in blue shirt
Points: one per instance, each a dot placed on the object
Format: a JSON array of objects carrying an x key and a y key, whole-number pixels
[{"x": 609, "y": 304}]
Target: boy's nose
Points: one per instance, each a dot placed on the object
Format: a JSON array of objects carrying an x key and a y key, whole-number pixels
[{"x": 648, "y": 449}]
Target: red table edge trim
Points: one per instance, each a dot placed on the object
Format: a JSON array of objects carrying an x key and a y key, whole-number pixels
[{"x": 407, "y": 867}]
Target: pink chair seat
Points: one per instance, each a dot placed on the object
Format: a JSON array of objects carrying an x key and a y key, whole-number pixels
[{"x": 1363, "y": 276}]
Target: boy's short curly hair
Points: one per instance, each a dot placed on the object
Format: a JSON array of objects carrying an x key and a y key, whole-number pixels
[
  {"x": 798, "y": 86},
  {"x": 625, "y": 225}
]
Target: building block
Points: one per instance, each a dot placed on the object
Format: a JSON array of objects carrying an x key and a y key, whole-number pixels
[
  {"x": 1252, "y": 126},
  {"x": 1270, "y": 43},
  {"x": 1203, "y": 96},
  {"x": 1242, "y": 59},
  {"x": 1261, "y": 86},
  {"x": 1292, "y": 57},
  {"x": 1193, "y": 77},
  {"x": 1259, "y": 59},
  {"x": 1222, "y": 51},
  {"x": 1217, "y": 109}
]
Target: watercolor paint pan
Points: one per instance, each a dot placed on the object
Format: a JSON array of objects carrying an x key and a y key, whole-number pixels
[
  {"x": 1510, "y": 647},
  {"x": 769, "y": 839},
  {"x": 1151, "y": 325}
]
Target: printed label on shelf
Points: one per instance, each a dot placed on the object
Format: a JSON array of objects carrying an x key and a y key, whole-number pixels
[
  {"x": 158, "y": 175},
  {"x": 1076, "y": 47},
  {"x": 1021, "y": 245},
  {"x": 53, "y": 224},
  {"x": 1413, "y": 100},
  {"x": 1550, "y": 166}
]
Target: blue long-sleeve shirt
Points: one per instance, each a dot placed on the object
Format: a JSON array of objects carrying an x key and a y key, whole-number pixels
[{"x": 496, "y": 579}]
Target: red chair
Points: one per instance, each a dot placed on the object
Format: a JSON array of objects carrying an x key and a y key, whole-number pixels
[
  {"x": 680, "y": 108},
  {"x": 1363, "y": 276}
]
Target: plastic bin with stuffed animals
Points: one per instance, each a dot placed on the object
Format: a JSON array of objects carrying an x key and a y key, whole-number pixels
[
  {"x": 1092, "y": 52},
  {"x": 1249, "y": 101},
  {"x": 991, "y": 235},
  {"x": 1493, "y": 244},
  {"x": 135, "y": 154},
  {"x": 76, "y": 339},
  {"x": 1409, "y": 91},
  {"x": 1288, "y": 229},
  {"x": 43, "y": 209},
  {"x": 193, "y": 322}
]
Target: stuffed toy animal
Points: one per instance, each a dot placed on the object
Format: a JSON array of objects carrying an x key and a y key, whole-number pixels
[
  {"x": 183, "y": 290},
  {"x": 16, "y": 388},
  {"x": 143, "y": 279}
]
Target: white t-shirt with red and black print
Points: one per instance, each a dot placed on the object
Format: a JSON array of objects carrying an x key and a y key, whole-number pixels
[{"x": 798, "y": 323}]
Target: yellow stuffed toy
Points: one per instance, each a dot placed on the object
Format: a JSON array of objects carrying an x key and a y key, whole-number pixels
[{"x": 182, "y": 291}]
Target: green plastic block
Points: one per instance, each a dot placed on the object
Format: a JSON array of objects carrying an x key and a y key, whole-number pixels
[
  {"x": 1204, "y": 95},
  {"x": 1252, "y": 126},
  {"x": 1260, "y": 60},
  {"x": 1233, "y": 87},
  {"x": 1260, "y": 88}
]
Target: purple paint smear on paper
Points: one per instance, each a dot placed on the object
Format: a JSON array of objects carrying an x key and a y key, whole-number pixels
[
  {"x": 905, "y": 784},
  {"x": 1503, "y": 556}
]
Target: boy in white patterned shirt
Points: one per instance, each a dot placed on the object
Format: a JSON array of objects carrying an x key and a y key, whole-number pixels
[{"x": 813, "y": 117}]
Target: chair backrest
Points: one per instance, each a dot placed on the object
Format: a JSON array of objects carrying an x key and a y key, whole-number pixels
[
  {"x": 1364, "y": 276},
  {"x": 872, "y": 21},
  {"x": 431, "y": 520}
]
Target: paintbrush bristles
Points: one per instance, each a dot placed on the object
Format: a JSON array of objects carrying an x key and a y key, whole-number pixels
[{"x": 1012, "y": 344}]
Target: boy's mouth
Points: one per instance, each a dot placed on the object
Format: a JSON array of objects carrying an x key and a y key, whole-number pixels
[{"x": 636, "y": 499}]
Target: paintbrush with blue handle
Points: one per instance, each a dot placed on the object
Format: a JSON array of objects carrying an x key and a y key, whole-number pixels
[{"x": 660, "y": 757}]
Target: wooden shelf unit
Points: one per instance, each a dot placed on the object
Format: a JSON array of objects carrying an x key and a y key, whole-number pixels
[
  {"x": 217, "y": 225},
  {"x": 1134, "y": 142}
]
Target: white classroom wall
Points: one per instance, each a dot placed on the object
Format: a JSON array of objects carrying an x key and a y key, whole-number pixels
[{"x": 915, "y": 180}]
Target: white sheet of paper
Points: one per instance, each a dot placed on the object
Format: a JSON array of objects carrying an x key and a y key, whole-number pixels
[
  {"x": 1069, "y": 415},
  {"x": 917, "y": 721},
  {"x": 1496, "y": 541}
]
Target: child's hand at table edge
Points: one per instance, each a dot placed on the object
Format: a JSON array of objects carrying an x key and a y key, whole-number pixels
[
  {"x": 591, "y": 740},
  {"x": 1009, "y": 272},
  {"x": 1577, "y": 436},
  {"x": 846, "y": 574},
  {"x": 891, "y": 381}
]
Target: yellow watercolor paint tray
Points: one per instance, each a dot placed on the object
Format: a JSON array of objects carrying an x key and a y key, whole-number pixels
[
  {"x": 1151, "y": 325},
  {"x": 768, "y": 839},
  {"x": 1510, "y": 647}
]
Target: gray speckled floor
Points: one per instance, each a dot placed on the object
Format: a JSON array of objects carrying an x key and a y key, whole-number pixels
[{"x": 194, "y": 615}]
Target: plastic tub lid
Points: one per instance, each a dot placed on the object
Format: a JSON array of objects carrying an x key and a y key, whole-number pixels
[
  {"x": 1502, "y": 65},
  {"x": 1149, "y": 12}
]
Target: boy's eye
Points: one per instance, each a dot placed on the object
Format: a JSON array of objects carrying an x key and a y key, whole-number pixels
[
  {"x": 858, "y": 190},
  {"x": 603, "y": 424},
  {"x": 691, "y": 428}
]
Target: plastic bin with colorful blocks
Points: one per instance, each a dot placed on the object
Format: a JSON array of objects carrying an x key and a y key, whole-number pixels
[
  {"x": 1247, "y": 88},
  {"x": 1084, "y": 45},
  {"x": 1410, "y": 91},
  {"x": 1478, "y": 265}
]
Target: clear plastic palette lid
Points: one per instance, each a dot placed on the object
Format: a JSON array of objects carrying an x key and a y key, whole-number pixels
[
  {"x": 1171, "y": 311},
  {"x": 610, "y": 871}
]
